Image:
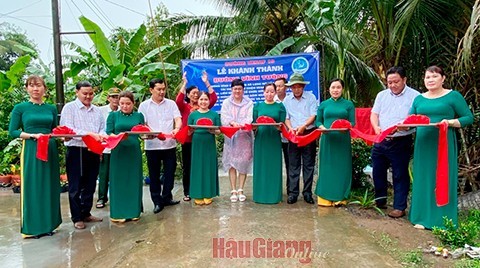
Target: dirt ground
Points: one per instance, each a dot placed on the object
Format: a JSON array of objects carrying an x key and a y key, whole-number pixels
[{"x": 399, "y": 239}]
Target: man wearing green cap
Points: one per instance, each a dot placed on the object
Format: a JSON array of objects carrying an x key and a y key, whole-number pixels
[
  {"x": 104, "y": 174},
  {"x": 301, "y": 111}
]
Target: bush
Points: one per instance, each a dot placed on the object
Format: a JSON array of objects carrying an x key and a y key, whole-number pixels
[
  {"x": 467, "y": 232},
  {"x": 361, "y": 157}
]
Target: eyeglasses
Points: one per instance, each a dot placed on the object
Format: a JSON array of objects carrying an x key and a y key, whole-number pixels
[{"x": 113, "y": 96}]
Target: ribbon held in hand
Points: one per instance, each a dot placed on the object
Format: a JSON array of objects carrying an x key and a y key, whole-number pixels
[
  {"x": 43, "y": 141},
  {"x": 63, "y": 130},
  {"x": 42, "y": 147}
]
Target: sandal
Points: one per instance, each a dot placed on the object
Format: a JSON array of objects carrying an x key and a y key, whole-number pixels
[
  {"x": 241, "y": 196},
  {"x": 186, "y": 198},
  {"x": 233, "y": 197},
  {"x": 207, "y": 201},
  {"x": 79, "y": 225},
  {"x": 199, "y": 202},
  {"x": 100, "y": 204}
]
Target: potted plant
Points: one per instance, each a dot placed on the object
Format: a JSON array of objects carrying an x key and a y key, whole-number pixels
[
  {"x": 64, "y": 183},
  {"x": 5, "y": 177}
]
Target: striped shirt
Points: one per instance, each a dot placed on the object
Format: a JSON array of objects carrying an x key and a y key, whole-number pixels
[{"x": 82, "y": 119}]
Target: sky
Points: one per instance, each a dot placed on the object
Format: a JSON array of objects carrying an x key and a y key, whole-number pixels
[{"x": 35, "y": 17}]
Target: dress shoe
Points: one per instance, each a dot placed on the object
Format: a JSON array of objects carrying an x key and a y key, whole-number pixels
[
  {"x": 308, "y": 199},
  {"x": 171, "y": 203},
  {"x": 292, "y": 199},
  {"x": 396, "y": 213},
  {"x": 92, "y": 218},
  {"x": 157, "y": 209},
  {"x": 79, "y": 225}
]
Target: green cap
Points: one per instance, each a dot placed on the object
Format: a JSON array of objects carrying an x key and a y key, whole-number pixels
[
  {"x": 113, "y": 91},
  {"x": 297, "y": 78}
]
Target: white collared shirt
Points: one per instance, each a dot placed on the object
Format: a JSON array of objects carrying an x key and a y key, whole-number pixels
[
  {"x": 160, "y": 117},
  {"x": 300, "y": 110},
  {"x": 82, "y": 119},
  {"x": 393, "y": 109}
]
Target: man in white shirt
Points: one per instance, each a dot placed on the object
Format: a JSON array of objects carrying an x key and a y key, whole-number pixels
[
  {"x": 162, "y": 115},
  {"x": 391, "y": 107},
  {"x": 104, "y": 173},
  {"x": 82, "y": 165}
]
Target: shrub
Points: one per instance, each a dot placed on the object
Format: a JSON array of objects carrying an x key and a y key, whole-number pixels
[
  {"x": 467, "y": 231},
  {"x": 361, "y": 157}
]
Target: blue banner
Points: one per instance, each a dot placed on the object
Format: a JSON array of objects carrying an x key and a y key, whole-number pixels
[{"x": 255, "y": 72}]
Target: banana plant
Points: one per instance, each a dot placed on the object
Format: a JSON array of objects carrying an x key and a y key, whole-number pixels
[{"x": 117, "y": 64}]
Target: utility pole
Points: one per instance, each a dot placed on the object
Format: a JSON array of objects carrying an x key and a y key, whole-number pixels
[{"x": 60, "y": 96}]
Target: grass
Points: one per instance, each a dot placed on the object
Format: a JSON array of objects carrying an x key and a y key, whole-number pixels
[
  {"x": 367, "y": 201},
  {"x": 412, "y": 258}
]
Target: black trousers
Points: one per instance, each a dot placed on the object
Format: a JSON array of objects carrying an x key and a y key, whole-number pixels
[
  {"x": 186, "y": 165},
  {"x": 82, "y": 171},
  {"x": 301, "y": 159},
  {"x": 155, "y": 159}
]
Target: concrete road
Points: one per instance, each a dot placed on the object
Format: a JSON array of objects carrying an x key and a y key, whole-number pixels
[{"x": 222, "y": 234}]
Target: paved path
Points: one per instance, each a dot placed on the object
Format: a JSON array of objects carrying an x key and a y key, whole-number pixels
[{"x": 220, "y": 235}]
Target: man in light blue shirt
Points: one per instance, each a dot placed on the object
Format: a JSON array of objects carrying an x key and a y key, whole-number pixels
[
  {"x": 301, "y": 111},
  {"x": 391, "y": 107}
]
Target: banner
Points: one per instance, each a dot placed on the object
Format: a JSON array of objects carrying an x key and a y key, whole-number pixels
[{"x": 254, "y": 71}]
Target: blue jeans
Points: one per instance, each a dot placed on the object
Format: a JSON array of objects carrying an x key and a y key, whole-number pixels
[{"x": 395, "y": 152}]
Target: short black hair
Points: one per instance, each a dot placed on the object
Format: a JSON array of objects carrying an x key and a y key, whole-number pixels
[
  {"x": 270, "y": 84},
  {"x": 237, "y": 82},
  {"x": 188, "y": 90},
  {"x": 397, "y": 70},
  {"x": 281, "y": 79},
  {"x": 337, "y": 80},
  {"x": 154, "y": 81},
  {"x": 435, "y": 69},
  {"x": 82, "y": 84}
]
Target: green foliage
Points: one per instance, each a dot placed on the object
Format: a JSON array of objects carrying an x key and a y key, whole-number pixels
[
  {"x": 412, "y": 258},
  {"x": 361, "y": 157},
  {"x": 467, "y": 263},
  {"x": 467, "y": 231},
  {"x": 100, "y": 41},
  {"x": 10, "y": 156},
  {"x": 14, "y": 44},
  {"x": 366, "y": 201}
]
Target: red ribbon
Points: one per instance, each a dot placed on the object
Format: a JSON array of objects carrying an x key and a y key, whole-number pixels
[
  {"x": 265, "y": 119},
  {"x": 441, "y": 189},
  {"x": 42, "y": 147}
]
